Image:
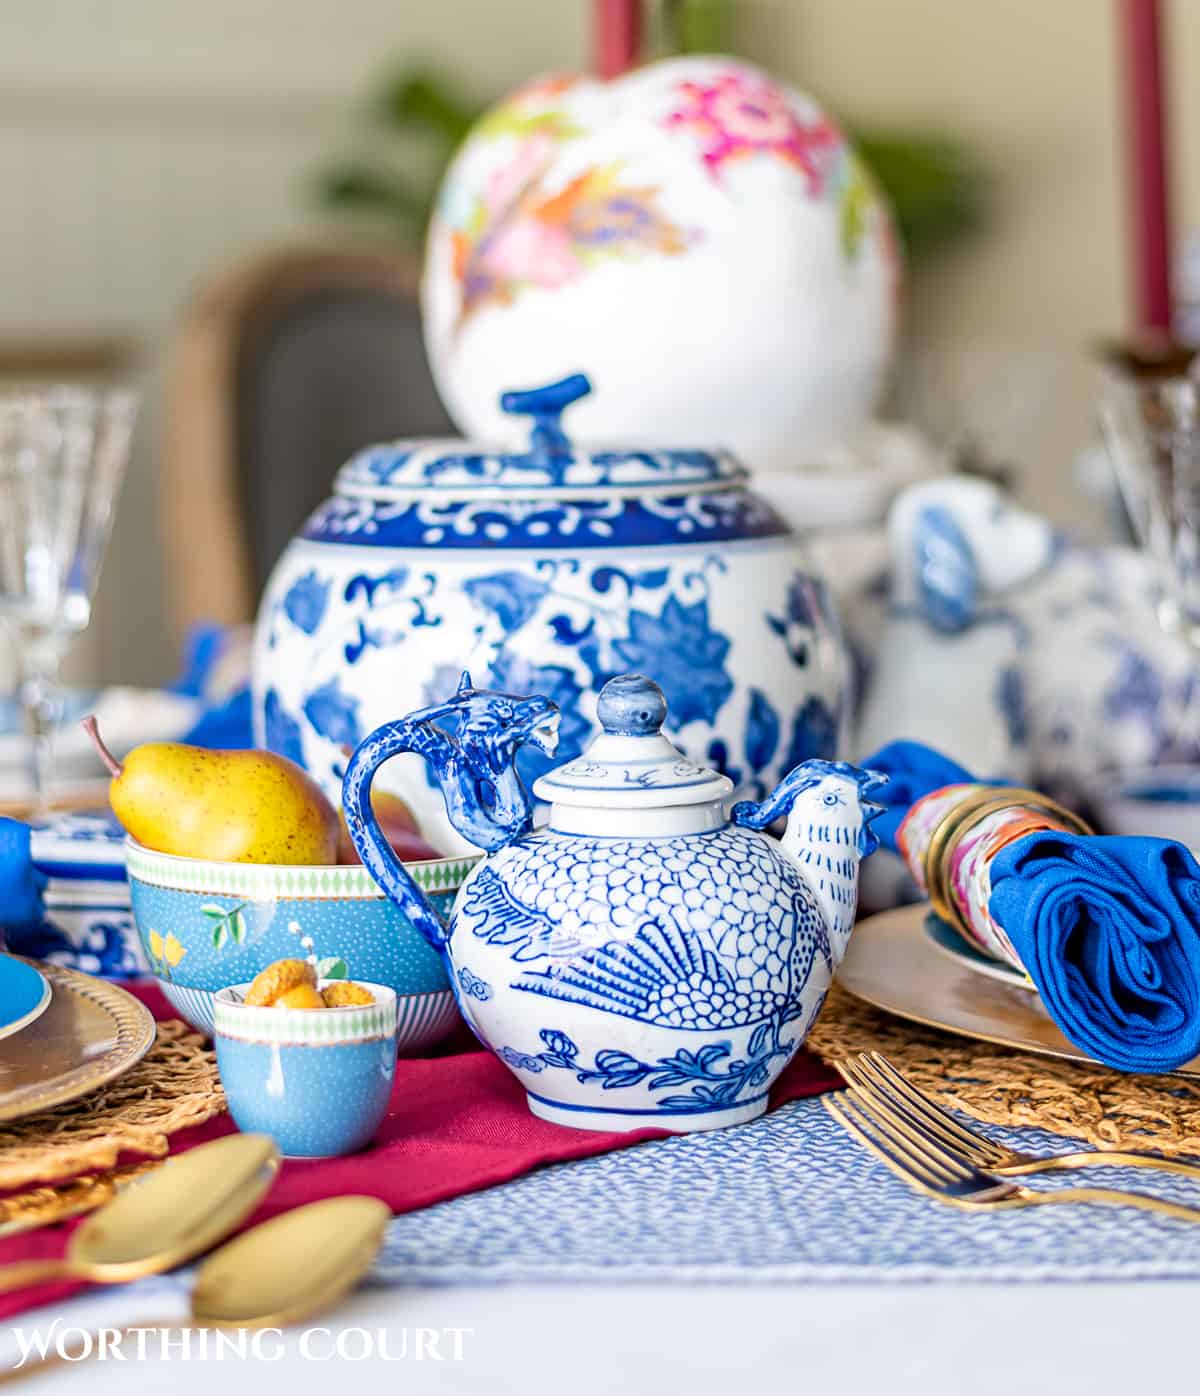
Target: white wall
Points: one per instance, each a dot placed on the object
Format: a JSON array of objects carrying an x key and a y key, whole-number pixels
[{"x": 144, "y": 143}]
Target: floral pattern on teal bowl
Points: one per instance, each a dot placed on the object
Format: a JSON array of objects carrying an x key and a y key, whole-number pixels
[
  {"x": 318, "y": 1080},
  {"x": 204, "y": 925}
]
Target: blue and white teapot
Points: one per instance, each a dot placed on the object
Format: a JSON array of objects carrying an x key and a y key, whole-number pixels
[{"x": 642, "y": 960}]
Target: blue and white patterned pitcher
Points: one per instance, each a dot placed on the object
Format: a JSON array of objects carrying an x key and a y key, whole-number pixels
[{"x": 641, "y": 960}]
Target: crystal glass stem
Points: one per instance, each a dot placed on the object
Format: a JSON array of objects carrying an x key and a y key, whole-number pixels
[
  {"x": 42, "y": 708},
  {"x": 63, "y": 448}
]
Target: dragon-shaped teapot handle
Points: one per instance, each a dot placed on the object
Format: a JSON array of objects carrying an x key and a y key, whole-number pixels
[{"x": 475, "y": 766}]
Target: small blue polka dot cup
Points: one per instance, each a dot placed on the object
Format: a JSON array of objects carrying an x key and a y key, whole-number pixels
[{"x": 317, "y": 1080}]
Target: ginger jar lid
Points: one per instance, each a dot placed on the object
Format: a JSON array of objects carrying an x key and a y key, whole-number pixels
[
  {"x": 550, "y": 465},
  {"x": 633, "y": 768}
]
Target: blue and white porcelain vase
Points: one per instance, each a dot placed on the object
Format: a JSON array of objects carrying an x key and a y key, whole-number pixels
[
  {"x": 548, "y": 569},
  {"x": 642, "y": 960}
]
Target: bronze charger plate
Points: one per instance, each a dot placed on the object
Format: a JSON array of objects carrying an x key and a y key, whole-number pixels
[
  {"x": 895, "y": 965},
  {"x": 91, "y": 1033}
]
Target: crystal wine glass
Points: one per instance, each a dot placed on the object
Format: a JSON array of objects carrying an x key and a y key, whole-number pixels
[
  {"x": 63, "y": 451},
  {"x": 1152, "y": 427}
]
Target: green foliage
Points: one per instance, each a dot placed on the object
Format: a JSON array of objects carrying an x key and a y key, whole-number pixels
[
  {"x": 936, "y": 189},
  {"x": 363, "y": 188},
  {"x": 698, "y": 26},
  {"x": 426, "y": 102}
]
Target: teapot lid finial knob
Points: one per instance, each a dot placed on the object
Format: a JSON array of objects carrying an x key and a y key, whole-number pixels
[
  {"x": 633, "y": 765},
  {"x": 631, "y": 705}
]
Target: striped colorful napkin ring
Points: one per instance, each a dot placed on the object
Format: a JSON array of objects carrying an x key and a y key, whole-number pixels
[{"x": 964, "y": 816}]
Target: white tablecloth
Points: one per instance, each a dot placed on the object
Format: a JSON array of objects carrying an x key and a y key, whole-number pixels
[
  {"x": 536, "y": 1340},
  {"x": 797, "y": 1214}
]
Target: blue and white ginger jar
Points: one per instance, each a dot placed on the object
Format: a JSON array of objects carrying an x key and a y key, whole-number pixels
[{"x": 547, "y": 569}]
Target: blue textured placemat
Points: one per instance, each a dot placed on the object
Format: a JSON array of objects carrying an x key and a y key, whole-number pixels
[{"x": 788, "y": 1198}]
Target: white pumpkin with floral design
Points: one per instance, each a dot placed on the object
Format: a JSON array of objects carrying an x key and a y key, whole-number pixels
[{"x": 699, "y": 239}]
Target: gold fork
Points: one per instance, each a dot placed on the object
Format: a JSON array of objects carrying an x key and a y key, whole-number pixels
[
  {"x": 922, "y": 1162},
  {"x": 872, "y": 1072}
]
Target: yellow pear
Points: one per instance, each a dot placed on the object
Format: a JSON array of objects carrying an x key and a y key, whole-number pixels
[{"x": 229, "y": 806}]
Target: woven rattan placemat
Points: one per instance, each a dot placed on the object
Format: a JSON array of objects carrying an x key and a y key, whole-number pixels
[
  {"x": 1109, "y": 1109},
  {"x": 175, "y": 1085}
]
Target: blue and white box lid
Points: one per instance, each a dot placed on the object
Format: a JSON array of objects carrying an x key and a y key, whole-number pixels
[{"x": 79, "y": 847}]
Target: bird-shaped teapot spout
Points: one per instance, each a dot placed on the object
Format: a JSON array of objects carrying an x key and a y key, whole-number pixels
[{"x": 829, "y": 810}]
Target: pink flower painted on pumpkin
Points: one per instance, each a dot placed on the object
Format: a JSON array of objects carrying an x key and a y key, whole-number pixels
[
  {"x": 737, "y": 115},
  {"x": 506, "y": 184},
  {"x": 549, "y": 239},
  {"x": 533, "y": 251}
]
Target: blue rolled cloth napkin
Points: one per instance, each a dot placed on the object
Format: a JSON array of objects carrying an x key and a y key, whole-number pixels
[
  {"x": 1108, "y": 927},
  {"x": 913, "y": 771},
  {"x": 21, "y": 884},
  {"x": 226, "y": 721}
]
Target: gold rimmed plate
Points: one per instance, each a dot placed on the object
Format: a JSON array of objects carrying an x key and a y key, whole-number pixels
[
  {"x": 90, "y": 1033},
  {"x": 24, "y": 994},
  {"x": 895, "y": 964},
  {"x": 945, "y": 938}
]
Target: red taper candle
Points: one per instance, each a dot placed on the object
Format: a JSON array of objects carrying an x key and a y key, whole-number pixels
[
  {"x": 618, "y": 35},
  {"x": 1146, "y": 155}
]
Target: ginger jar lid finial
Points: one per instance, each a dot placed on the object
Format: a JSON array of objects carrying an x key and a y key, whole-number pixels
[
  {"x": 632, "y": 764},
  {"x": 550, "y": 464}
]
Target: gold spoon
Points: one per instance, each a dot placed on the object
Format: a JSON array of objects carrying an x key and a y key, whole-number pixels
[
  {"x": 165, "y": 1219},
  {"x": 290, "y": 1266},
  {"x": 274, "y": 1274}
]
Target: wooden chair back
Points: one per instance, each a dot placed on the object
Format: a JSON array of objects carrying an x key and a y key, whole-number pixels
[{"x": 283, "y": 368}]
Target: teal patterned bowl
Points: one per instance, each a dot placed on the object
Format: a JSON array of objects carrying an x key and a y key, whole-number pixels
[{"x": 204, "y": 925}]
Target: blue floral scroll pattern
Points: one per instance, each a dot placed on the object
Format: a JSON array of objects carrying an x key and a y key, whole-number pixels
[
  {"x": 814, "y": 732},
  {"x": 537, "y": 466},
  {"x": 391, "y": 589},
  {"x": 306, "y": 602},
  {"x": 611, "y": 626},
  {"x": 512, "y": 597},
  {"x": 716, "y": 1077},
  {"x": 715, "y": 518},
  {"x": 686, "y": 656},
  {"x": 762, "y": 731},
  {"x": 333, "y": 714},
  {"x": 803, "y": 616},
  {"x": 281, "y": 730},
  {"x": 104, "y": 948},
  {"x": 473, "y": 986},
  {"x": 602, "y": 617},
  {"x": 806, "y": 618}
]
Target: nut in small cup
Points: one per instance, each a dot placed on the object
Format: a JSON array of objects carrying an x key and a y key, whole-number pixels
[{"x": 317, "y": 1080}]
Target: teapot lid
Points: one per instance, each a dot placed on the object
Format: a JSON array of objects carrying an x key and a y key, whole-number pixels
[
  {"x": 631, "y": 764},
  {"x": 551, "y": 464}
]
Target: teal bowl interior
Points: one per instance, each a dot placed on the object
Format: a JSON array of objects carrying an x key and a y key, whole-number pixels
[{"x": 204, "y": 925}]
